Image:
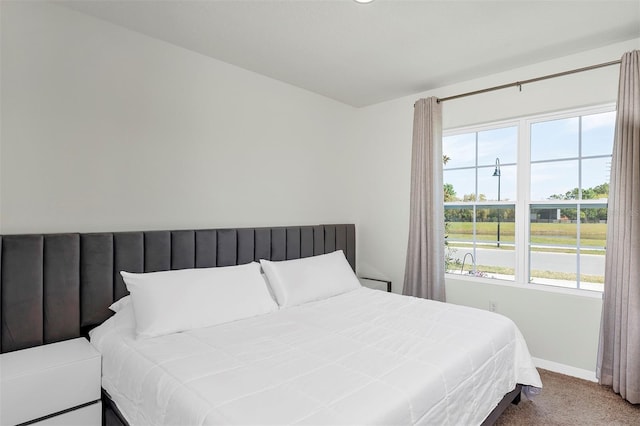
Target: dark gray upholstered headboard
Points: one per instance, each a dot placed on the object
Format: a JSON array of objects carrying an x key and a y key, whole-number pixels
[{"x": 58, "y": 286}]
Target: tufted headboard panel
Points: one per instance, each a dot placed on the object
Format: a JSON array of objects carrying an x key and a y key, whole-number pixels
[{"x": 58, "y": 286}]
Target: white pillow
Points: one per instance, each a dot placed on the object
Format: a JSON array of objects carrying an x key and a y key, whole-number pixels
[
  {"x": 120, "y": 303},
  {"x": 171, "y": 301},
  {"x": 312, "y": 278}
]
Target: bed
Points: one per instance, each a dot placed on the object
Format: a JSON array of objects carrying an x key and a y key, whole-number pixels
[{"x": 361, "y": 356}]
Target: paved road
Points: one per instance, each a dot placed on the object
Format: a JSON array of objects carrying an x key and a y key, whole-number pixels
[{"x": 591, "y": 264}]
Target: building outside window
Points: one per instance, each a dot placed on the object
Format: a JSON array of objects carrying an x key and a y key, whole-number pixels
[{"x": 526, "y": 200}]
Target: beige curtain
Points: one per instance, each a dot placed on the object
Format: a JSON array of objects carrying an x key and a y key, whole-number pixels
[
  {"x": 619, "y": 349},
  {"x": 424, "y": 273}
]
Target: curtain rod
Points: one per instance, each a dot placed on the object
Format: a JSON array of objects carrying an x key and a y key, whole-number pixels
[{"x": 531, "y": 80}]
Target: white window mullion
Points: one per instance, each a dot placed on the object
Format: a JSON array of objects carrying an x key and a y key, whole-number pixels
[
  {"x": 522, "y": 203},
  {"x": 475, "y": 211}
]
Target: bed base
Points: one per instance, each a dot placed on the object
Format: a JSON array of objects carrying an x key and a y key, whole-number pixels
[
  {"x": 111, "y": 415},
  {"x": 512, "y": 397}
]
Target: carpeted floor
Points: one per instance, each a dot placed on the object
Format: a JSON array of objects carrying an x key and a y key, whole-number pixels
[{"x": 566, "y": 400}]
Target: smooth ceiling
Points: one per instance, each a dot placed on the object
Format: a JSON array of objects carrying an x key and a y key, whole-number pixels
[{"x": 365, "y": 54}]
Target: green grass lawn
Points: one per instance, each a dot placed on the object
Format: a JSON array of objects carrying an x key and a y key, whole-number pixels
[{"x": 591, "y": 234}]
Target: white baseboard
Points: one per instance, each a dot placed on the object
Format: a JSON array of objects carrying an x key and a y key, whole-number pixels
[{"x": 565, "y": 369}]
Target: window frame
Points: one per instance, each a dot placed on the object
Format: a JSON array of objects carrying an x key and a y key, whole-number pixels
[{"x": 523, "y": 200}]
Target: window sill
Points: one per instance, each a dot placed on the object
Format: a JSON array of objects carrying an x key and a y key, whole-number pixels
[{"x": 528, "y": 286}]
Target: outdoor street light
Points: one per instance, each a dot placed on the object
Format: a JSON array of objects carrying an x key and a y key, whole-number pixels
[{"x": 497, "y": 173}]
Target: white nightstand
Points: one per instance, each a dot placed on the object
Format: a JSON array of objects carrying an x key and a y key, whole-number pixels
[{"x": 55, "y": 384}]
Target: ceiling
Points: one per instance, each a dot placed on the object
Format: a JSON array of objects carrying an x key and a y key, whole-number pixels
[{"x": 364, "y": 54}]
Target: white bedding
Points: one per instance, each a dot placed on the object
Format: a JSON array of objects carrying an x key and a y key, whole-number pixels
[{"x": 363, "y": 357}]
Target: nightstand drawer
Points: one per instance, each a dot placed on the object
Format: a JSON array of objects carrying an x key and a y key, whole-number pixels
[{"x": 45, "y": 380}]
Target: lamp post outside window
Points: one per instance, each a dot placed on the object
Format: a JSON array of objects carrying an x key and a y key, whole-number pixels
[{"x": 497, "y": 173}]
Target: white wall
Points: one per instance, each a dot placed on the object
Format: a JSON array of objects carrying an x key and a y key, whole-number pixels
[
  {"x": 107, "y": 129},
  {"x": 560, "y": 328}
]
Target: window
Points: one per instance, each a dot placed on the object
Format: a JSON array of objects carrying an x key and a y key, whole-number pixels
[
  {"x": 526, "y": 200},
  {"x": 480, "y": 194}
]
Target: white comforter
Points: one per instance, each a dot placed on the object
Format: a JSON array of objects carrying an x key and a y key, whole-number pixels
[{"x": 363, "y": 357}]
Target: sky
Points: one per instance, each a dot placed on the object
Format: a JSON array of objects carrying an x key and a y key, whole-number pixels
[{"x": 554, "y": 154}]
